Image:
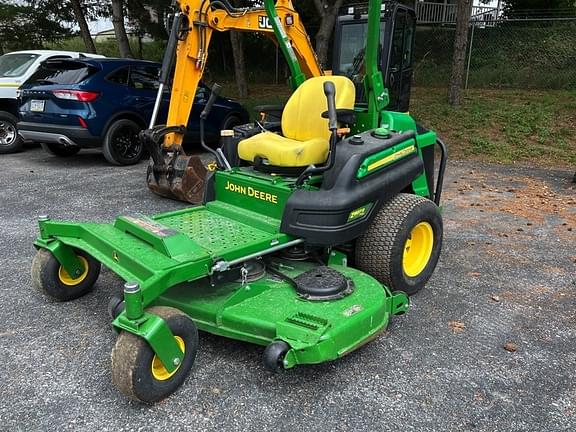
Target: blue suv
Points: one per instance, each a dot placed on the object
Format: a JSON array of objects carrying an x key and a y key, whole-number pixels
[{"x": 70, "y": 104}]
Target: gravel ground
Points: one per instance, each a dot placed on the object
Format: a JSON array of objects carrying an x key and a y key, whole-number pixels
[{"x": 506, "y": 276}]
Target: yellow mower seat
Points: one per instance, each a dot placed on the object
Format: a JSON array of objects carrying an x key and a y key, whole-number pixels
[{"x": 305, "y": 135}]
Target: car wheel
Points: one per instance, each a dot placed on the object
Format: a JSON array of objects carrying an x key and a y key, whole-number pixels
[
  {"x": 10, "y": 141},
  {"x": 121, "y": 143},
  {"x": 60, "y": 150},
  {"x": 231, "y": 122}
]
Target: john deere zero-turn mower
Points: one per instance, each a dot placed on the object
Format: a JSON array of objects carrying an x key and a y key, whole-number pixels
[{"x": 307, "y": 244}]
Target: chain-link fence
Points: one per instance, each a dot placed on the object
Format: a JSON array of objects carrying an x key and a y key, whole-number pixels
[{"x": 535, "y": 53}]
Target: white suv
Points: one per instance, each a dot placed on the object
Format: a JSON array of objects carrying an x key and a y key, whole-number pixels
[{"x": 15, "y": 68}]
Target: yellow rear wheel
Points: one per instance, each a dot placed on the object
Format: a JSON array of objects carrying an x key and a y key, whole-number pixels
[
  {"x": 418, "y": 249},
  {"x": 402, "y": 245}
]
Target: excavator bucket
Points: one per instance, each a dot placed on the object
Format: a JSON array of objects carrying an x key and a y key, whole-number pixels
[
  {"x": 172, "y": 173},
  {"x": 181, "y": 178}
]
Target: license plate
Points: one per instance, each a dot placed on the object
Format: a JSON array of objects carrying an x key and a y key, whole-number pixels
[{"x": 37, "y": 105}]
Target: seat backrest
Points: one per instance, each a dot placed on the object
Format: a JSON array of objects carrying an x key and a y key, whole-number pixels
[{"x": 302, "y": 117}]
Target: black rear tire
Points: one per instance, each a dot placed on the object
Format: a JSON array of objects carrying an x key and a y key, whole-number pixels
[
  {"x": 402, "y": 245},
  {"x": 60, "y": 150},
  {"x": 10, "y": 140},
  {"x": 121, "y": 143}
]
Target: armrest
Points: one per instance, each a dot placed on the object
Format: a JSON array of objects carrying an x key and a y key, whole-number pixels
[
  {"x": 269, "y": 112},
  {"x": 346, "y": 116}
]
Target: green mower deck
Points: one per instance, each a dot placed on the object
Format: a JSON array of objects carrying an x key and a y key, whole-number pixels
[{"x": 171, "y": 259}]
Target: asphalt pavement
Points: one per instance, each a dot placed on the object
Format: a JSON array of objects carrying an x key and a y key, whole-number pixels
[{"x": 488, "y": 345}]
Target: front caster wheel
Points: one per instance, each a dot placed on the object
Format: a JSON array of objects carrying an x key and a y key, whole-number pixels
[
  {"x": 136, "y": 370},
  {"x": 274, "y": 355},
  {"x": 50, "y": 278},
  {"x": 115, "y": 307}
]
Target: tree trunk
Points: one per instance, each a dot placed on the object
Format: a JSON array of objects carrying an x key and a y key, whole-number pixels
[
  {"x": 328, "y": 11},
  {"x": 120, "y": 30},
  {"x": 239, "y": 63},
  {"x": 84, "y": 30},
  {"x": 463, "y": 12}
]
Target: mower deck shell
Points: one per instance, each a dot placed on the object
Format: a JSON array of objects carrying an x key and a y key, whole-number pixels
[{"x": 173, "y": 257}]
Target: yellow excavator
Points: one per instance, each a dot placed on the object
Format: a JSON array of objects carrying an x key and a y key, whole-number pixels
[{"x": 172, "y": 173}]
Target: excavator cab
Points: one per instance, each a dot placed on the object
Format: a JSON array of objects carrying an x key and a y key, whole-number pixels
[{"x": 395, "y": 54}]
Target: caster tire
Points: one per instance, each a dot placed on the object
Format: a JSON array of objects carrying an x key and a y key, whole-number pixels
[
  {"x": 402, "y": 245},
  {"x": 274, "y": 354},
  {"x": 121, "y": 143},
  {"x": 50, "y": 278},
  {"x": 139, "y": 374},
  {"x": 10, "y": 140},
  {"x": 115, "y": 307},
  {"x": 60, "y": 150}
]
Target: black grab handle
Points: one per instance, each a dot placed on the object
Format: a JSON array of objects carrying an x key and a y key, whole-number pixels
[
  {"x": 216, "y": 88},
  {"x": 330, "y": 92}
]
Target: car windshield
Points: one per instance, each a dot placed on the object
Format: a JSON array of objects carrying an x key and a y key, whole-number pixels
[
  {"x": 61, "y": 72},
  {"x": 15, "y": 65}
]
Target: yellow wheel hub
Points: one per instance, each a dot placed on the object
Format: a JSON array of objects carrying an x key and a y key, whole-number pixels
[
  {"x": 66, "y": 279},
  {"x": 418, "y": 249},
  {"x": 159, "y": 371}
]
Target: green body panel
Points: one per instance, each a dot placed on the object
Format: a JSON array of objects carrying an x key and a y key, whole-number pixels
[
  {"x": 264, "y": 195},
  {"x": 376, "y": 162},
  {"x": 270, "y": 309}
]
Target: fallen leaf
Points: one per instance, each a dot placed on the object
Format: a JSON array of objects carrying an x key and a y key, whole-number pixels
[{"x": 457, "y": 326}]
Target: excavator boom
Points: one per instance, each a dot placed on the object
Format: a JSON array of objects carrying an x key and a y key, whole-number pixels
[{"x": 280, "y": 22}]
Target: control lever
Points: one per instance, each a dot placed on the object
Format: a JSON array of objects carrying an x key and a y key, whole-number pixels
[
  {"x": 330, "y": 92},
  {"x": 218, "y": 154}
]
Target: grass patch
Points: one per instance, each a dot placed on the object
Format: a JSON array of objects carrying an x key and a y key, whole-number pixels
[{"x": 506, "y": 126}]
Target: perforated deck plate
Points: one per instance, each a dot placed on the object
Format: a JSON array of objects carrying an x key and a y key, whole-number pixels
[{"x": 221, "y": 235}]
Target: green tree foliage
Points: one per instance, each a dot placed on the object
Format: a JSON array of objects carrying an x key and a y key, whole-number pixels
[
  {"x": 27, "y": 26},
  {"x": 149, "y": 16}
]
